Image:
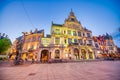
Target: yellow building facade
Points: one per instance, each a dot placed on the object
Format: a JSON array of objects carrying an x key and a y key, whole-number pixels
[{"x": 70, "y": 41}]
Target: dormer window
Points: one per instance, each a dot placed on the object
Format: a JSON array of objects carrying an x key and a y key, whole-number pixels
[{"x": 72, "y": 19}]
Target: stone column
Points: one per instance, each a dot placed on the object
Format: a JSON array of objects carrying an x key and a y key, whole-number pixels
[
  {"x": 39, "y": 55},
  {"x": 80, "y": 53},
  {"x": 87, "y": 54},
  {"x": 72, "y": 54}
]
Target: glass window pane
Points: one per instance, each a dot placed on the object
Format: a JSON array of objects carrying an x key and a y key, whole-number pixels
[
  {"x": 69, "y": 32},
  {"x": 57, "y": 31},
  {"x": 79, "y": 33},
  {"x": 74, "y": 33},
  {"x": 75, "y": 40},
  {"x": 88, "y": 34},
  {"x": 69, "y": 40},
  {"x": 57, "y": 40}
]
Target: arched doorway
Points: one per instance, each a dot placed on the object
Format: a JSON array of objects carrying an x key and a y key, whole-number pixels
[
  {"x": 30, "y": 56},
  {"x": 44, "y": 56},
  {"x": 57, "y": 54},
  {"x": 90, "y": 54},
  {"x": 83, "y": 54},
  {"x": 76, "y": 53}
]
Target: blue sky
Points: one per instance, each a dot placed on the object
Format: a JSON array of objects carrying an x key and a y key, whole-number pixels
[{"x": 100, "y": 16}]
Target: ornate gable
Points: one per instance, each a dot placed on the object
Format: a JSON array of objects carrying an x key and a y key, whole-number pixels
[{"x": 72, "y": 21}]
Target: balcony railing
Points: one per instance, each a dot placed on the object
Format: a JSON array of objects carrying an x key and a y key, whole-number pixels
[{"x": 89, "y": 44}]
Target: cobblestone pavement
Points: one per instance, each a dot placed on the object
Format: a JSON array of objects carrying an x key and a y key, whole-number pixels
[{"x": 101, "y": 70}]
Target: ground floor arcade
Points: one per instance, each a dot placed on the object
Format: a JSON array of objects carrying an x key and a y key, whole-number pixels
[{"x": 68, "y": 53}]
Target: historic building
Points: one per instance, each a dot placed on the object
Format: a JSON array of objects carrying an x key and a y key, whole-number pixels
[
  {"x": 69, "y": 40},
  {"x": 104, "y": 44}
]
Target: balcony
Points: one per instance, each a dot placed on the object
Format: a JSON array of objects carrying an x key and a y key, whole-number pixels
[
  {"x": 89, "y": 44},
  {"x": 73, "y": 44}
]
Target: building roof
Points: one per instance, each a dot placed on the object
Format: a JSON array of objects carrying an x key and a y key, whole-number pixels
[
  {"x": 40, "y": 31},
  {"x": 107, "y": 36},
  {"x": 48, "y": 36},
  {"x": 87, "y": 29},
  {"x": 19, "y": 38},
  {"x": 60, "y": 25}
]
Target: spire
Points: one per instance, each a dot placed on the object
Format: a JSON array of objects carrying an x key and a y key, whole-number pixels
[
  {"x": 72, "y": 21},
  {"x": 72, "y": 13},
  {"x": 71, "y": 17}
]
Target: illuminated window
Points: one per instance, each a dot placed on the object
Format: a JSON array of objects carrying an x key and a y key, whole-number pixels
[
  {"x": 57, "y": 54},
  {"x": 69, "y": 32},
  {"x": 32, "y": 47},
  {"x": 69, "y": 40},
  {"x": 57, "y": 40},
  {"x": 74, "y": 33}
]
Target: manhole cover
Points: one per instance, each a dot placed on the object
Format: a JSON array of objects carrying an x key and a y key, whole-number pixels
[{"x": 31, "y": 74}]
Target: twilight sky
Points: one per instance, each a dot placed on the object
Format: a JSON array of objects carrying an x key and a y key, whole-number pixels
[{"x": 100, "y": 16}]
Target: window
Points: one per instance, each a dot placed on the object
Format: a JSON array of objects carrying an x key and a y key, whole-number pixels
[
  {"x": 64, "y": 32},
  {"x": 83, "y": 34},
  {"x": 74, "y": 33},
  {"x": 34, "y": 39},
  {"x": 37, "y": 46},
  {"x": 69, "y": 40},
  {"x": 111, "y": 48},
  {"x": 69, "y": 32},
  {"x": 57, "y": 31},
  {"x": 32, "y": 47},
  {"x": 109, "y": 44},
  {"x": 79, "y": 33},
  {"x": 75, "y": 40},
  {"x": 90, "y": 41},
  {"x": 80, "y": 41},
  {"x": 57, "y": 40},
  {"x": 57, "y": 54},
  {"x": 65, "y": 41},
  {"x": 72, "y": 19},
  {"x": 88, "y": 35},
  {"x": 96, "y": 45},
  {"x": 29, "y": 39},
  {"x": 39, "y": 38}
]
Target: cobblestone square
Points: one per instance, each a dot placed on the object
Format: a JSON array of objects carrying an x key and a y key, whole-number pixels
[{"x": 100, "y": 70}]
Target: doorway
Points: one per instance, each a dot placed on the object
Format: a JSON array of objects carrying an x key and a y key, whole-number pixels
[{"x": 44, "y": 56}]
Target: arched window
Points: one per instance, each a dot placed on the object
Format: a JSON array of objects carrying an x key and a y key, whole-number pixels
[
  {"x": 83, "y": 54},
  {"x": 76, "y": 53},
  {"x": 57, "y": 54}
]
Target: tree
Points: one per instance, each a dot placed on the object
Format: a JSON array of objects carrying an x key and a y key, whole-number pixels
[{"x": 5, "y": 43}]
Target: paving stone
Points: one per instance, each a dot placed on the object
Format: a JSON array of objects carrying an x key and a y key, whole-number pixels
[{"x": 102, "y": 70}]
